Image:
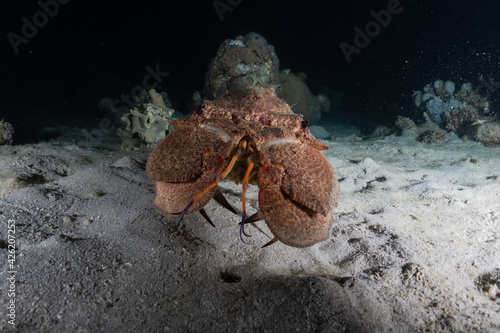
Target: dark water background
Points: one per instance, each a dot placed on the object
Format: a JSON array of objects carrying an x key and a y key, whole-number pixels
[{"x": 89, "y": 50}]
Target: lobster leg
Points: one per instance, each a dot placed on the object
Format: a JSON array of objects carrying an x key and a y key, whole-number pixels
[
  {"x": 221, "y": 199},
  {"x": 243, "y": 192},
  {"x": 272, "y": 241},
  {"x": 206, "y": 217},
  {"x": 223, "y": 175},
  {"x": 255, "y": 217}
]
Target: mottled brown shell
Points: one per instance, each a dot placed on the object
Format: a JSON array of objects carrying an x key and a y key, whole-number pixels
[
  {"x": 185, "y": 154},
  {"x": 298, "y": 187}
]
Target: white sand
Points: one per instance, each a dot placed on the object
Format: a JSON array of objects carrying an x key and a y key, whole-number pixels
[{"x": 415, "y": 247}]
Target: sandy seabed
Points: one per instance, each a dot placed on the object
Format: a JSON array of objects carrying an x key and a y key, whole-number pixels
[{"x": 415, "y": 247}]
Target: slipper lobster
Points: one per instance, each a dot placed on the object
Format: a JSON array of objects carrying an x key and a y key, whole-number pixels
[{"x": 250, "y": 137}]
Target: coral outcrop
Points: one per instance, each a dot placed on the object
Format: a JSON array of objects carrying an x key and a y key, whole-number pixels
[
  {"x": 324, "y": 103},
  {"x": 454, "y": 110},
  {"x": 243, "y": 62},
  {"x": 407, "y": 127},
  {"x": 294, "y": 91},
  {"x": 249, "y": 61},
  {"x": 465, "y": 112},
  {"x": 6, "y": 133},
  {"x": 147, "y": 124},
  {"x": 487, "y": 133},
  {"x": 427, "y": 132}
]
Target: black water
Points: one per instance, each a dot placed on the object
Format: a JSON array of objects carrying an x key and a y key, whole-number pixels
[{"x": 59, "y": 58}]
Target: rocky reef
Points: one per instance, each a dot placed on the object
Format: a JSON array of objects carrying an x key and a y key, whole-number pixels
[
  {"x": 428, "y": 132},
  {"x": 294, "y": 91},
  {"x": 465, "y": 112},
  {"x": 487, "y": 133},
  {"x": 455, "y": 110},
  {"x": 6, "y": 133},
  {"x": 147, "y": 124},
  {"x": 249, "y": 61},
  {"x": 243, "y": 62}
]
